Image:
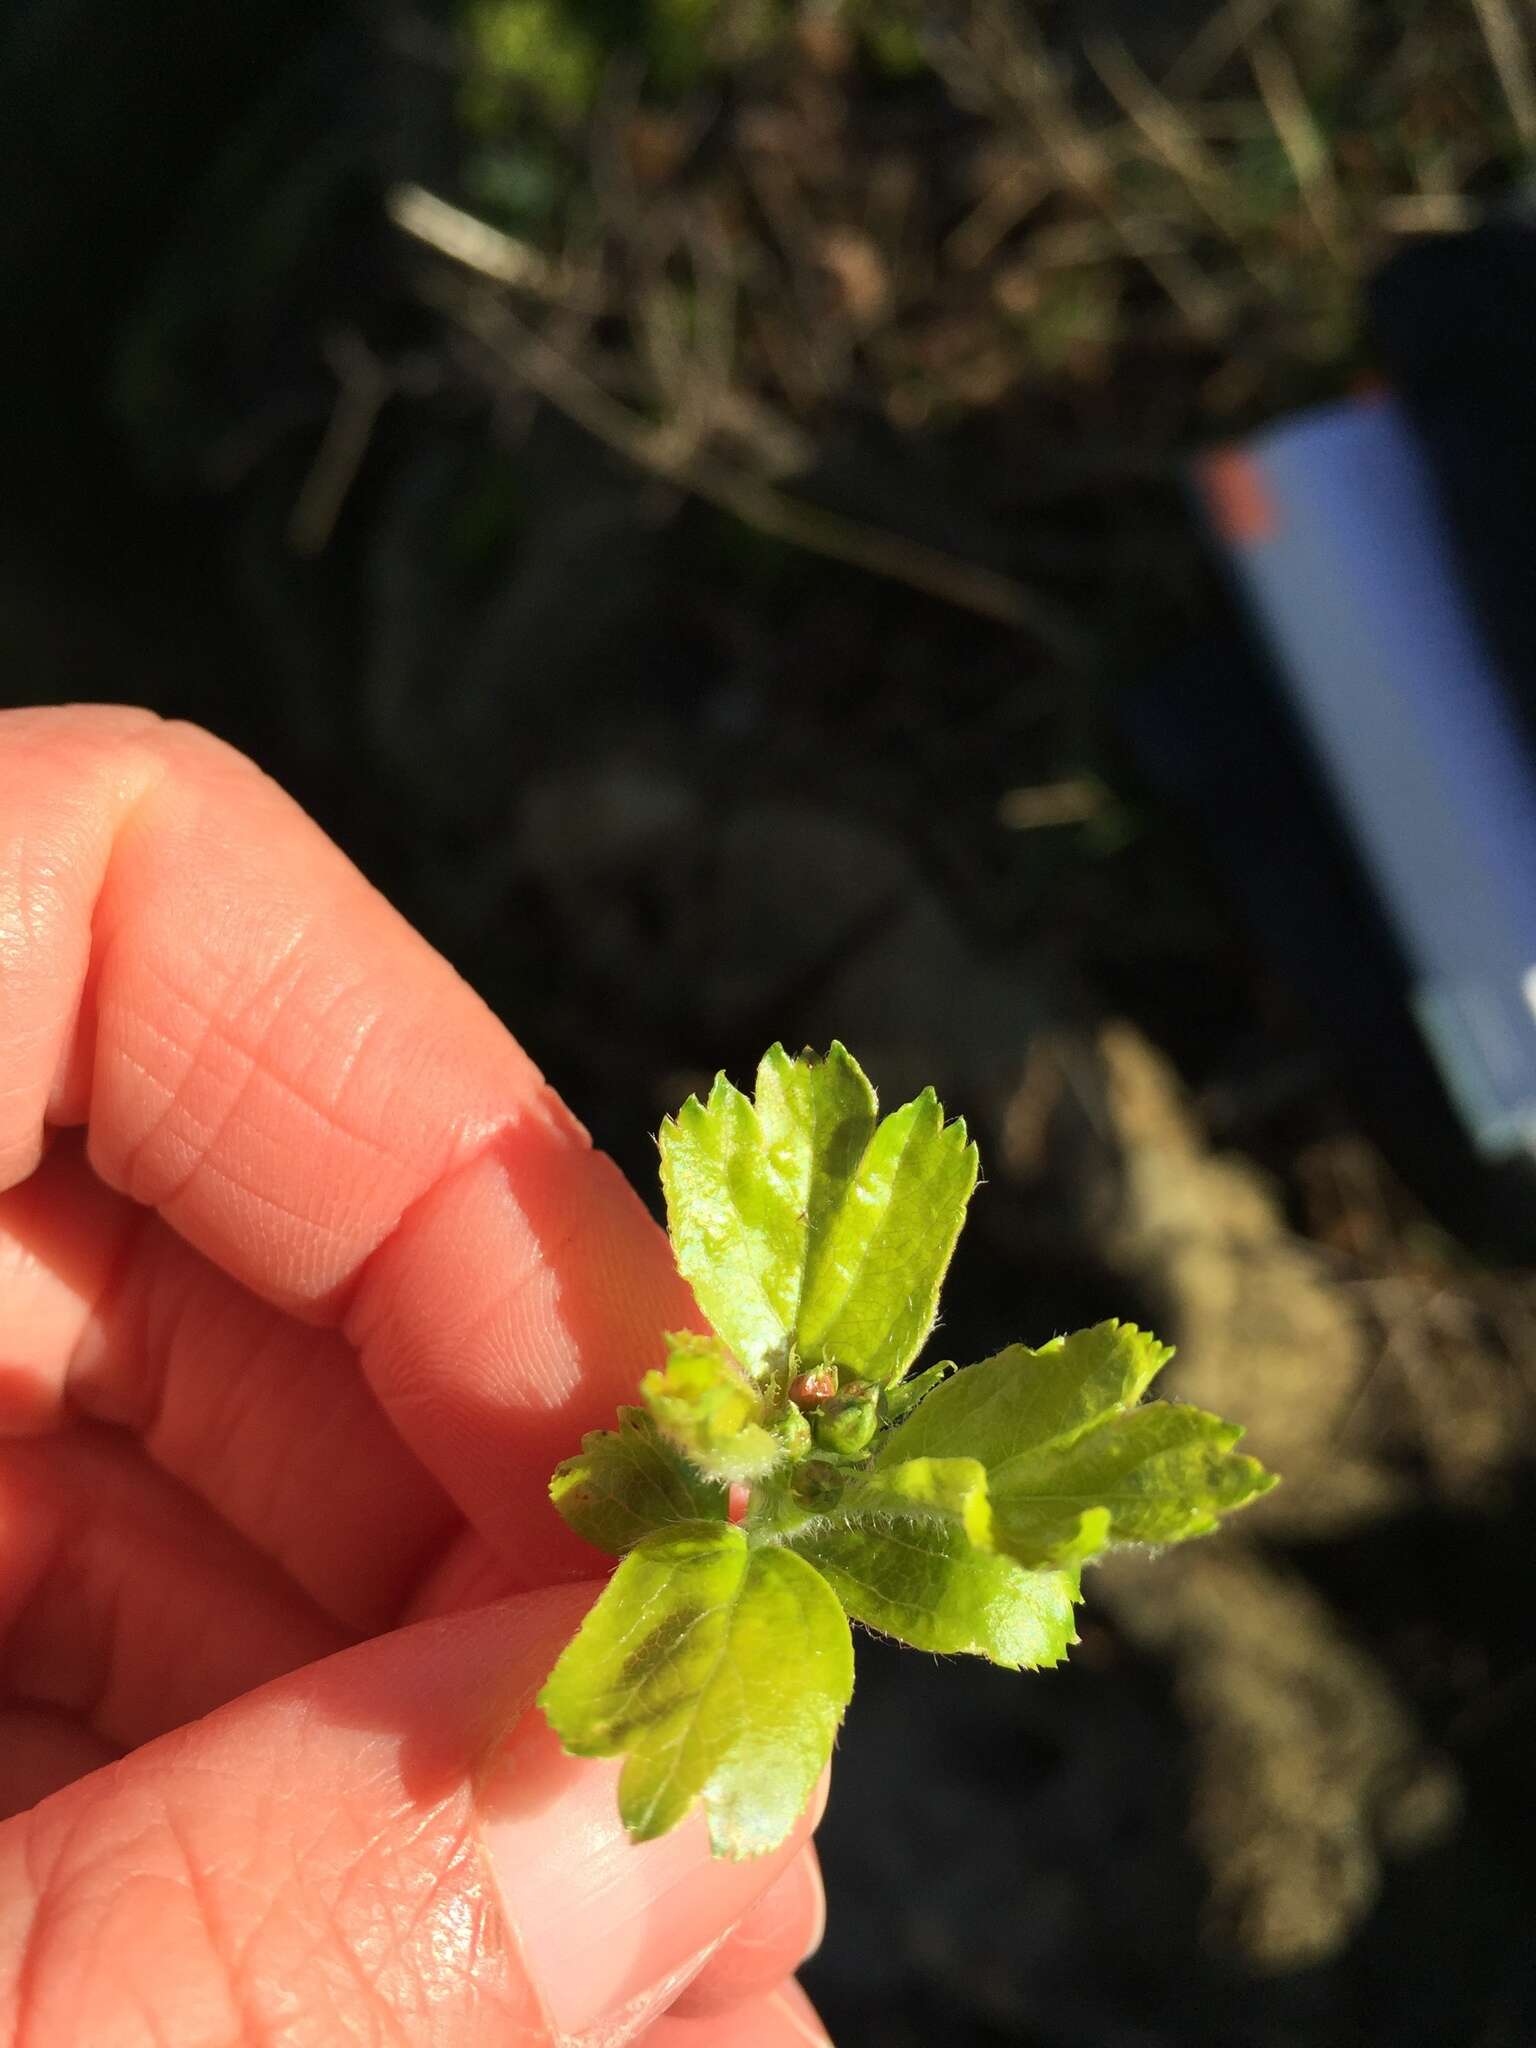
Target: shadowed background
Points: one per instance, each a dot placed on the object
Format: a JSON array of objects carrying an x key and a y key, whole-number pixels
[{"x": 693, "y": 497}]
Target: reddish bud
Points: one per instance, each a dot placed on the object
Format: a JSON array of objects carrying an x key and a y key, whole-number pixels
[{"x": 815, "y": 1386}]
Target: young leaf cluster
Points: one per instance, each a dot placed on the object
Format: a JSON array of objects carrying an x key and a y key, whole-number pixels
[{"x": 789, "y": 1472}]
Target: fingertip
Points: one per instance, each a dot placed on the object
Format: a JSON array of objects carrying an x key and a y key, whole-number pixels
[
  {"x": 782, "y": 2018},
  {"x": 387, "y": 1812},
  {"x": 782, "y": 1930},
  {"x": 261, "y": 1860},
  {"x": 512, "y": 1310},
  {"x": 612, "y": 1932},
  {"x": 61, "y": 1236},
  {"x": 263, "y": 1051}
]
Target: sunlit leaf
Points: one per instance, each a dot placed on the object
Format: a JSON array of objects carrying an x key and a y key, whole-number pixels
[
  {"x": 720, "y": 1673},
  {"x": 921, "y": 1580},
  {"x": 807, "y": 1230},
  {"x": 627, "y": 1483},
  {"x": 1073, "y": 1464}
]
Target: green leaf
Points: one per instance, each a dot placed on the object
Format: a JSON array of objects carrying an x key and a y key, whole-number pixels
[
  {"x": 628, "y": 1482},
  {"x": 950, "y": 1491},
  {"x": 872, "y": 1276},
  {"x": 1023, "y": 1400},
  {"x": 1158, "y": 1474},
  {"x": 702, "y": 1403},
  {"x": 805, "y": 1229},
  {"x": 817, "y": 1117},
  {"x": 746, "y": 1188},
  {"x": 917, "y": 1577},
  {"x": 1073, "y": 1465},
  {"x": 720, "y": 1673}
]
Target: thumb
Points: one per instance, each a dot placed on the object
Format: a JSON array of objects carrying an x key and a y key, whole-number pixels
[{"x": 362, "y": 1850}]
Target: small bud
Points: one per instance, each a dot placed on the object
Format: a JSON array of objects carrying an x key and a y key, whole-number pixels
[
  {"x": 847, "y": 1424},
  {"x": 814, "y": 1387},
  {"x": 793, "y": 1432}
]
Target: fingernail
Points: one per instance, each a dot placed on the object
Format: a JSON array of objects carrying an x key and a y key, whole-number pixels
[
  {"x": 782, "y": 1930},
  {"x": 799, "y": 2017},
  {"x": 783, "y": 2019},
  {"x": 816, "y": 1924},
  {"x": 609, "y": 1930},
  {"x": 792, "y": 1917}
]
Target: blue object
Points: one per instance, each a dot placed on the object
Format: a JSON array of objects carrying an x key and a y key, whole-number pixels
[{"x": 1332, "y": 523}]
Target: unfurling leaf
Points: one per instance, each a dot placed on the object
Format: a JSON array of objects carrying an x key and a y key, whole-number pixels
[
  {"x": 702, "y": 1403},
  {"x": 720, "y": 1673},
  {"x": 627, "y": 1483},
  {"x": 1158, "y": 1474},
  {"x": 807, "y": 1230},
  {"x": 1073, "y": 1465}
]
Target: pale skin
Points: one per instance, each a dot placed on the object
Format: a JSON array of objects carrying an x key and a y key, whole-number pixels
[{"x": 306, "y": 1282}]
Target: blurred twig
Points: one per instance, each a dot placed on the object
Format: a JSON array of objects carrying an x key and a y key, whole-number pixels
[
  {"x": 999, "y": 210},
  {"x": 1076, "y": 801},
  {"x": 1284, "y": 101},
  {"x": 1511, "y": 59},
  {"x": 678, "y": 459},
  {"x": 1427, "y": 213},
  {"x": 1216, "y": 44},
  {"x": 480, "y": 247},
  {"x": 1177, "y": 146},
  {"x": 363, "y": 387},
  {"x": 1001, "y": 68}
]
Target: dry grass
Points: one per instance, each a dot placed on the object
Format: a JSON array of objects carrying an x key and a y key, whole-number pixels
[{"x": 797, "y": 253}]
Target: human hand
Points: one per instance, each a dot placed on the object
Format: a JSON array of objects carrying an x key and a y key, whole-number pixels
[{"x": 306, "y": 1282}]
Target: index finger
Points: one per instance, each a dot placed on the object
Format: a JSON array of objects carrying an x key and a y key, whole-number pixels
[{"x": 265, "y": 1052}]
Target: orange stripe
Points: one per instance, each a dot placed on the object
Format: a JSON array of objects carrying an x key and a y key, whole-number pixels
[{"x": 1241, "y": 507}]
